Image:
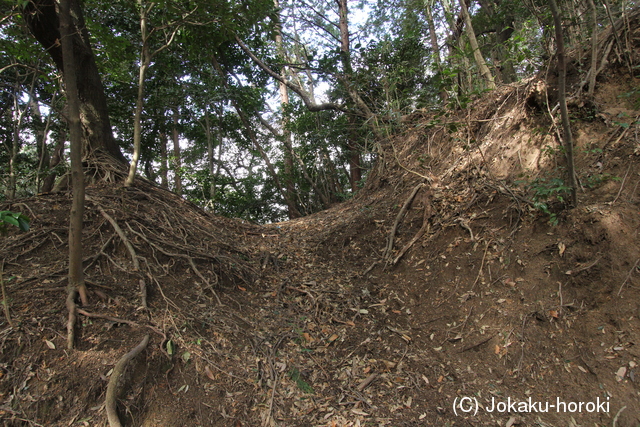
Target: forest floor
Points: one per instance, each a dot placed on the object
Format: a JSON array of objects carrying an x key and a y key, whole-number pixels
[{"x": 440, "y": 283}]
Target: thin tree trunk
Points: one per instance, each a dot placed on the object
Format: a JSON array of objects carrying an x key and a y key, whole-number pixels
[
  {"x": 562, "y": 97},
  {"x": 15, "y": 142},
  {"x": 477, "y": 55},
  {"x": 42, "y": 131},
  {"x": 433, "y": 38},
  {"x": 145, "y": 61},
  {"x": 56, "y": 158},
  {"x": 177, "y": 161},
  {"x": 254, "y": 139},
  {"x": 210, "y": 153},
  {"x": 355, "y": 167},
  {"x": 216, "y": 175},
  {"x": 594, "y": 48},
  {"x": 164, "y": 167},
  {"x": 289, "y": 184},
  {"x": 323, "y": 197},
  {"x": 76, "y": 278}
]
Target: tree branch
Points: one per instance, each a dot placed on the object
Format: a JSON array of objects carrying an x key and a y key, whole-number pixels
[{"x": 299, "y": 91}]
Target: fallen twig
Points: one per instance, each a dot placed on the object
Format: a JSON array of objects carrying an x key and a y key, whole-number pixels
[
  {"x": 112, "y": 388},
  {"x": 471, "y": 347},
  {"x": 365, "y": 383},
  {"x": 621, "y": 185},
  {"x": 481, "y": 264}
]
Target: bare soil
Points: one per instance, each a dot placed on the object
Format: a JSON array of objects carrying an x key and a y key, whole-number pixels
[{"x": 310, "y": 323}]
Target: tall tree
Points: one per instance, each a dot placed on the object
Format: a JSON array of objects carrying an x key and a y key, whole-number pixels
[
  {"x": 477, "y": 54},
  {"x": 76, "y": 278},
  {"x": 43, "y": 21},
  {"x": 562, "y": 98}
]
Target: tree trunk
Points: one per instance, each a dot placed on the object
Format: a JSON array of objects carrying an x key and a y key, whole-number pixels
[
  {"x": 477, "y": 55},
  {"x": 42, "y": 131},
  {"x": 210, "y": 154},
  {"x": 56, "y": 158},
  {"x": 562, "y": 97},
  {"x": 43, "y": 22},
  {"x": 504, "y": 29},
  {"x": 177, "y": 161},
  {"x": 164, "y": 167},
  {"x": 145, "y": 61},
  {"x": 433, "y": 38},
  {"x": 355, "y": 167},
  {"x": 76, "y": 279},
  {"x": 254, "y": 139},
  {"x": 289, "y": 183},
  {"x": 594, "y": 48}
]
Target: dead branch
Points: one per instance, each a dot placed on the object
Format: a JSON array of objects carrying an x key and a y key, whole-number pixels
[
  {"x": 365, "y": 383},
  {"x": 112, "y": 388},
  {"x": 486, "y": 249},
  {"x": 387, "y": 253}
]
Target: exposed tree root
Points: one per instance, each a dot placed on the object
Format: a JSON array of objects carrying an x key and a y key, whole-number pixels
[
  {"x": 392, "y": 234},
  {"x": 424, "y": 229},
  {"x": 123, "y": 237},
  {"x": 112, "y": 388}
]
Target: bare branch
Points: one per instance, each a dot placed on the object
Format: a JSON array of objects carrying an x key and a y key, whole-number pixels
[{"x": 298, "y": 90}]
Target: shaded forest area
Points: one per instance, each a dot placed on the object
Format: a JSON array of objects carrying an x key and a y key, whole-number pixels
[
  {"x": 459, "y": 224},
  {"x": 266, "y": 111}
]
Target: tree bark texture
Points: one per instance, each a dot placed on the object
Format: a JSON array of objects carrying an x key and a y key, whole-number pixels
[
  {"x": 477, "y": 55},
  {"x": 76, "y": 279},
  {"x": 177, "y": 161},
  {"x": 43, "y": 21},
  {"x": 562, "y": 98},
  {"x": 289, "y": 184}
]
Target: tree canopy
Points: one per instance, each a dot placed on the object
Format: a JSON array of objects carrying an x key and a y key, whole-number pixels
[{"x": 259, "y": 109}]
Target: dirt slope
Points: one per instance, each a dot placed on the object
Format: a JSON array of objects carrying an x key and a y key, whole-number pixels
[{"x": 312, "y": 322}]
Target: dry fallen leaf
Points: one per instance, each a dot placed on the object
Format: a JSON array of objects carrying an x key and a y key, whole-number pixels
[
  {"x": 51, "y": 345},
  {"x": 208, "y": 373},
  {"x": 561, "y": 248}
]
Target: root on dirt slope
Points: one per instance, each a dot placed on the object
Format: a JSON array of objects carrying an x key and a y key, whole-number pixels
[{"x": 304, "y": 323}]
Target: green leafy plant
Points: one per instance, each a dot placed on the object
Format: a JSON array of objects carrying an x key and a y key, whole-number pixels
[
  {"x": 295, "y": 376},
  {"x": 14, "y": 218},
  {"x": 594, "y": 181},
  {"x": 547, "y": 191}
]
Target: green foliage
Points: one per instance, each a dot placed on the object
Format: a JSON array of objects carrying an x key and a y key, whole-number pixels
[
  {"x": 295, "y": 376},
  {"x": 13, "y": 218},
  {"x": 546, "y": 192},
  {"x": 596, "y": 180}
]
